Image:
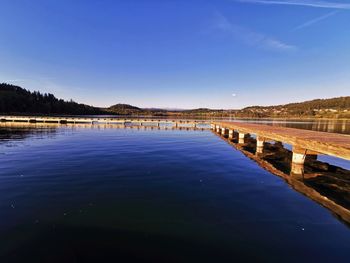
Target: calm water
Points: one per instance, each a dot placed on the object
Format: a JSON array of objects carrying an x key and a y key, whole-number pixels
[
  {"x": 92, "y": 194},
  {"x": 324, "y": 125}
]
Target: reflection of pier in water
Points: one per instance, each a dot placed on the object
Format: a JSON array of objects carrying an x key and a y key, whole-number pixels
[
  {"x": 13, "y": 132},
  {"x": 326, "y": 184},
  {"x": 31, "y": 127},
  {"x": 20, "y": 132}
]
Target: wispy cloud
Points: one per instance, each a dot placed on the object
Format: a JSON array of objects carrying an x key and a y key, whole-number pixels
[
  {"x": 40, "y": 79},
  {"x": 250, "y": 37},
  {"x": 13, "y": 80},
  {"x": 315, "y": 20},
  {"x": 309, "y": 3}
]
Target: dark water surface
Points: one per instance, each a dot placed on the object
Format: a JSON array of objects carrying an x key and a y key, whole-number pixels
[{"x": 72, "y": 194}]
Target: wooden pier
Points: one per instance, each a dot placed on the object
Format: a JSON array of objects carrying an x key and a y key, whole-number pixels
[
  {"x": 299, "y": 183},
  {"x": 176, "y": 123},
  {"x": 304, "y": 142}
]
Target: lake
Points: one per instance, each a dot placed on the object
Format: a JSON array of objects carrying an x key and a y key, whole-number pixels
[{"x": 101, "y": 194}]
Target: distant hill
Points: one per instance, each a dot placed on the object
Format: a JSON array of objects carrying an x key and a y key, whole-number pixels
[
  {"x": 15, "y": 100},
  {"x": 327, "y": 108},
  {"x": 124, "y": 109},
  {"x": 333, "y": 108},
  {"x": 319, "y": 108}
]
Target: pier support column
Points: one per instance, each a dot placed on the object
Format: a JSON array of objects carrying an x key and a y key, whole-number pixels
[
  {"x": 231, "y": 134},
  {"x": 260, "y": 144},
  {"x": 259, "y": 150},
  {"x": 298, "y": 158},
  {"x": 297, "y": 170},
  {"x": 223, "y": 131},
  {"x": 300, "y": 155},
  {"x": 241, "y": 137},
  {"x": 260, "y": 141}
]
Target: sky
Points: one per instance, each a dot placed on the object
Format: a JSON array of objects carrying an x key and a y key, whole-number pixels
[{"x": 177, "y": 53}]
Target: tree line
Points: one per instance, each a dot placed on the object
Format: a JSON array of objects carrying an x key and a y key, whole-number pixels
[{"x": 14, "y": 99}]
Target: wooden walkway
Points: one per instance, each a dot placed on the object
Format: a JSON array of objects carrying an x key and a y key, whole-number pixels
[
  {"x": 333, "y": 144},
  {"x": 103, "y": 120}
]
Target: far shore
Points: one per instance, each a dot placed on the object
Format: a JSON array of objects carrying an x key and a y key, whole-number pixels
[{"x": 185, "y": 116}]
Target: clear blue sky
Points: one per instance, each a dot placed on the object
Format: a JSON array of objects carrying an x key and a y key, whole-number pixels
[{"x": 179, "y": 53}]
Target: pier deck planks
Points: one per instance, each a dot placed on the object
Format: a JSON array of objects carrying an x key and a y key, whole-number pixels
[{"x": 333, "y": 144}]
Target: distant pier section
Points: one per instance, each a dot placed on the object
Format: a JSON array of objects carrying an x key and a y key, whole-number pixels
[
  {"x": 305, "y": 143},
  {"x": 153, "y": 122}
]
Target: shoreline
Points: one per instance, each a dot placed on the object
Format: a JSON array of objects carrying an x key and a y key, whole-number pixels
[{"x": 170, "y": 116}]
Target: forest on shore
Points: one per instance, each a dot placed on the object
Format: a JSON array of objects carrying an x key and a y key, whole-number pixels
[{"x": 16, "y": 100}]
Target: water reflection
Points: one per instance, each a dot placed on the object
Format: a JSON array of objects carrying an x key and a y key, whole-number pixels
[
  {"x": 327, "y": 184},
  {"x": 324, "y": 125},
  {"x": 324, "y": 183},
  {"x": 101, "y": 194},
  {"x": 42, "y": 126},
  {"x": 12, "y": 133}
]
